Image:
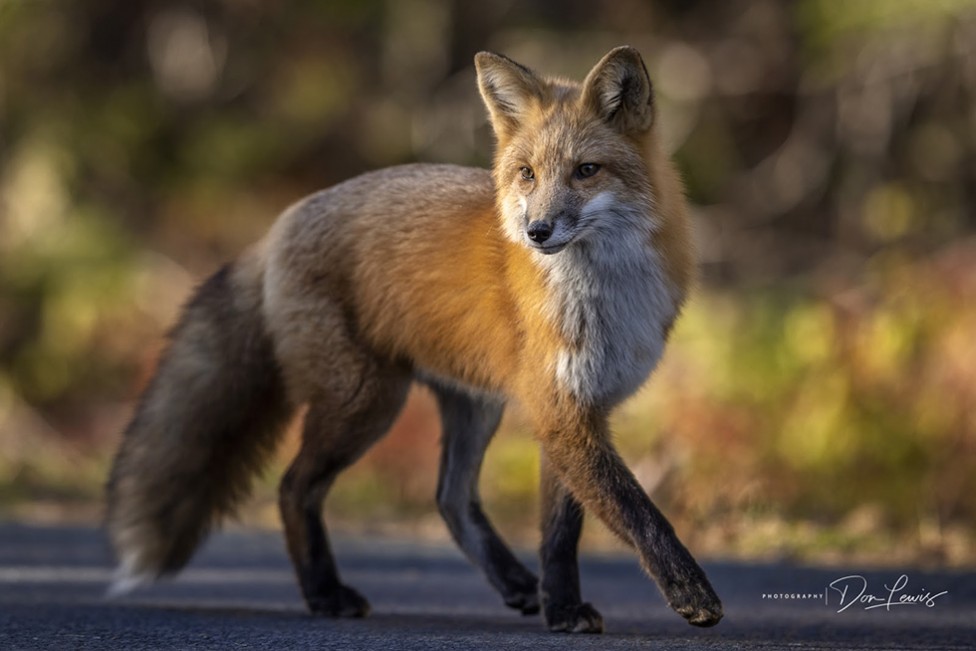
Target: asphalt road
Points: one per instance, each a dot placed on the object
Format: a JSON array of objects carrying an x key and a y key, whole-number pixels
[{"x": 239, "y": 593}]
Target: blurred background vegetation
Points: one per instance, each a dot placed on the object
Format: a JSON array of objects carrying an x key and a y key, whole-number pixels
[{"x": 817, "y": 401}]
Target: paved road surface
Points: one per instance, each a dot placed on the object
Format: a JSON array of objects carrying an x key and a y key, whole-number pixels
[{"x": 239, "y": 594}]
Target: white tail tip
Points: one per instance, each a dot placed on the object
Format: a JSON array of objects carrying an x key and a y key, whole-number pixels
[{"x": 126, "y": 578}]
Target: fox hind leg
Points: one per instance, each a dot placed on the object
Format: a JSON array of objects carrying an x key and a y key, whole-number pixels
[
  {"x": 336, "y": 433},
  {"x": 469, "y": 423}
]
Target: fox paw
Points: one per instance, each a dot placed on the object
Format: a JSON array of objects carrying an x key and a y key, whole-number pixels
[
  {"x": 521, "y": 591},
  {"x": 341, "y": 602},
  {"x": 527, "y": 602},
  {"x": 573, "y": 618},
  {"x": 696, "y": 602}
]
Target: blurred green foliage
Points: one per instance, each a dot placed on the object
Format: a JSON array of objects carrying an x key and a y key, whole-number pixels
[{"x": 817, "y": 398}]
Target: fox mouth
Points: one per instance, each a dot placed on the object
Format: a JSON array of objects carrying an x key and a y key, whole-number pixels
[{"x": 549, "y": 248}]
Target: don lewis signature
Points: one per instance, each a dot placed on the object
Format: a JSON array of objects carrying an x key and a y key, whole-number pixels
[{"x": 853, "y": 591}]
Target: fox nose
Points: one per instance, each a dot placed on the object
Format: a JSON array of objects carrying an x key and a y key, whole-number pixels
[{"x": 539, "y": 231}]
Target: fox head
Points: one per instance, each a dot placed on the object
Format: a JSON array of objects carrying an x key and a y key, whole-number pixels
[{"x": 570, "y": 161}]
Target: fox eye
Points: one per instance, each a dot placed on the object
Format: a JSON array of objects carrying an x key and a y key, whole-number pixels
[
  {"x": 586, "y": 170},
  {"x": 527, "y": 173}
]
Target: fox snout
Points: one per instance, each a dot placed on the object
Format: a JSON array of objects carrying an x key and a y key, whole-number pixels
[
  {"x": 539, "y": 231},
  {"x": 550, "y": 234}
]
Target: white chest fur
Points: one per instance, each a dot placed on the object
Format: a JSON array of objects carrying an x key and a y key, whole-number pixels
[{"x": 614, "y": 305}]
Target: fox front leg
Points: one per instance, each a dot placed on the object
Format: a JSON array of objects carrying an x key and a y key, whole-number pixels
[
  {"x": 581, "y": 454},
  {"x": 562, "y": 523}
]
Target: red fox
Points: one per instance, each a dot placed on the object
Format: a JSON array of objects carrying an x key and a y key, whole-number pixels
[{"x": 553, "y": 280}]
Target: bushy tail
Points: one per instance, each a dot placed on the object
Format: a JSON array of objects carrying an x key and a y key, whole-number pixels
[{"x": 207, "y": 421}]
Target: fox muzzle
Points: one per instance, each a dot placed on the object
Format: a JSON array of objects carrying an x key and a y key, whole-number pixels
[{"x": 539, "y": 231}]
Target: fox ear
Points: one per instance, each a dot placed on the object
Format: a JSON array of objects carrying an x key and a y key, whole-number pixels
[
  {"x": 508, "y": 89},
  {"x": 619, "y": 90}
]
